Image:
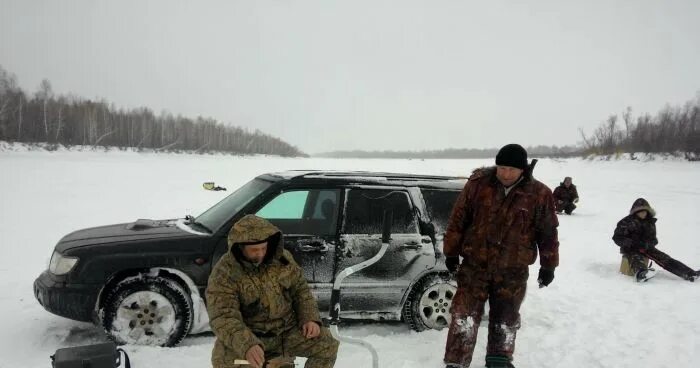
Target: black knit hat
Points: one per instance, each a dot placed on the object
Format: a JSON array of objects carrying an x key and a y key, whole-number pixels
[{"x": 513, "y": 155}]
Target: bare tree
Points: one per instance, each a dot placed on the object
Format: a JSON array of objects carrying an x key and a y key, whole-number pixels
[
  {"x": 71, "y": 120},
  {"x": 44, "y": 94}
]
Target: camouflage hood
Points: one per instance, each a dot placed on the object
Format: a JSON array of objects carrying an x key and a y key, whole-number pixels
[
  {"x": 641, "y": 204},
  {"x": 252, "y": 229}
]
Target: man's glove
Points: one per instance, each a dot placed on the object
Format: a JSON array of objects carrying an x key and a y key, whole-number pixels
[
  {"x": 545, "y": 277},
  {"x": 452, "y": 263}
]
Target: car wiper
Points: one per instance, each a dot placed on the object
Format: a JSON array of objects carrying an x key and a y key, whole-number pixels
[{"x": 191, "y": 221}]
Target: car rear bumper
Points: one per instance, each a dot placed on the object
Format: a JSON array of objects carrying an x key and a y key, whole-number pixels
[{"x": 74, "y": 301}]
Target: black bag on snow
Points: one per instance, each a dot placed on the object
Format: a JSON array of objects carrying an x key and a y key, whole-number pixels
[{"x": 104, "y": 355}]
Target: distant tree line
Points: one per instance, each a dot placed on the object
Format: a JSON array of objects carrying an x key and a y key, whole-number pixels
[
  {"x": 454, "y": 153},
  {"x": 673, "y": 129},
  {"x": 70, "y": 120}
]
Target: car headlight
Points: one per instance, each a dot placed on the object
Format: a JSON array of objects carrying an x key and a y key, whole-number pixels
[{"x": 60, "y": 264}]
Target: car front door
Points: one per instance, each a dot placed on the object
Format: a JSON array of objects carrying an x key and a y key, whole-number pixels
[
  {"x": 379, "y": 288},
  {"x": 308, "y": 219}
]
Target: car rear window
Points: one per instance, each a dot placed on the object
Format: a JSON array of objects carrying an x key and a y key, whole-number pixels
[
  {"x": 365, "y": 210},
  {"x": 439, "y": 205}
]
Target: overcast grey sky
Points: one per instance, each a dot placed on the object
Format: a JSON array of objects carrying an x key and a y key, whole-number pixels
[{"x": 401, "y": 75}]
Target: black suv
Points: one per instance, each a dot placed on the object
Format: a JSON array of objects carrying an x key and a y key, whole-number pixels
[{"x": 144, "y": 281}]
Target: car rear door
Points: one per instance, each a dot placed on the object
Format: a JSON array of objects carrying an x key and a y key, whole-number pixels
[{"x": 380, "y": 287}]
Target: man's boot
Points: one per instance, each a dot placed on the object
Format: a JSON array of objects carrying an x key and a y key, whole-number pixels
[
  {"x": 692, "y": 276},
  {"x": 645, "y": 275},
  {"x": 498, "y": 361}
]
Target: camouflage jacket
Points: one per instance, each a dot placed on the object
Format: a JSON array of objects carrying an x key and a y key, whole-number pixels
[
  {"x": 493, "y": 231},
  {"x": 245, "y": 301},
  {"x": 567, "y": 195},
  {"x": 633, "y": 233}
]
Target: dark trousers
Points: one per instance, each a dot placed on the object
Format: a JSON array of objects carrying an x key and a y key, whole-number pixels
[
  {"x": 566, "y": 207},
  {"x": 505, "y": 291},
  {"x": 636, "y": 259}
]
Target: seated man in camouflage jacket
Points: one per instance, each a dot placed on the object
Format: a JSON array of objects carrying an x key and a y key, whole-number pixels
[{"x": 259, "y": 303}]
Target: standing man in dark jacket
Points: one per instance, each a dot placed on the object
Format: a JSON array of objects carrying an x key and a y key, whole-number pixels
[
  {"x": 499, "y": 222},
  {"x": 259, "y": 303},
  {"x": 566, "y": 196},
  {"x": 635, "y": 234}
]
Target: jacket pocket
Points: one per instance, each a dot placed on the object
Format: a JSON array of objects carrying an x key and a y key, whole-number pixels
[{"x": 527, "y": 254}]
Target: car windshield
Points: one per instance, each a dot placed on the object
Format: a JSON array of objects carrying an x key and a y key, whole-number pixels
[{"x": 216, "y": 216}]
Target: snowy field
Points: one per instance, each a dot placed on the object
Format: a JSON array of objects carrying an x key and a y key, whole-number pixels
[{"x": 591, "y": 316}]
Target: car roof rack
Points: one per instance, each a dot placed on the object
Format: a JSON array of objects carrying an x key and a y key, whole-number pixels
[{"x": 362, "y": 175}]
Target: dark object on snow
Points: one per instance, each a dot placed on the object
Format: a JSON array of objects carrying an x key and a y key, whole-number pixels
[
  {"x": 104, "y": 355},
  {"x": 211, "y": 186}
]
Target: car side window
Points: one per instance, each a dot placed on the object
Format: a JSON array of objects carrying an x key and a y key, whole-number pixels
[
  {"x": 287, "y": 206},
  {"x": 303, "y": 212},
  {"x": 365, "y": 209}
]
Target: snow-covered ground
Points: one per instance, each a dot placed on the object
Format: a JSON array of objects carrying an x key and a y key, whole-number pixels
[{"x": 591, "y": 316}]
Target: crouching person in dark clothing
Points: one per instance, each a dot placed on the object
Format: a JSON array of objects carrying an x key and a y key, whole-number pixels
[
  {"x": 566, "y": 196},
  {"x": 499, "y": 222},
  {"x": 259, "y": 303},
  {"x": 636, "y": 236}
]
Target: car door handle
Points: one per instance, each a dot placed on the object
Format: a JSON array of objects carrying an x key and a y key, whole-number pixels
[
  {"x": 411, "y": 245},
  {"x": 313, "y": 247}
]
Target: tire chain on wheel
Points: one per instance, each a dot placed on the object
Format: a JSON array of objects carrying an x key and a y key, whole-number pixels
[{"x": 156, "y": 284}]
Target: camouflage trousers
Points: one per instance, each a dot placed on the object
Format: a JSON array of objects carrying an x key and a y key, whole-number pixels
[
  {"x": 321, "y": 351},
  {"x": 505, "y": 291},
  {"x": 636, "y": 260}
]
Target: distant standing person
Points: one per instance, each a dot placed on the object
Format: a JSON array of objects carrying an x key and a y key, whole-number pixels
[
  {"x": 635, "y": 234},
  {"x": 499, "y": 222},
  {"x": 566, "y": 196}
]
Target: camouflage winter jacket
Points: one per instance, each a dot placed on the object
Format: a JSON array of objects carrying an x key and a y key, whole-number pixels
[
  {"x": 633, "y": 233},
  {"x": 492, "y": 231},
  {"x": 245, "y": 301},
  {"x": 567, "y": 195}
]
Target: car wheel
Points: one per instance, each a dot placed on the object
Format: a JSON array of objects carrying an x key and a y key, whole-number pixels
[
  {"x": 147, "y": 310},
  {"x": 428, "y": 304}
]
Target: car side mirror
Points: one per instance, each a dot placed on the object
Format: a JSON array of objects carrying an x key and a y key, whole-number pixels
[
  {"x": 211, "y": 186},
  {"x": 429, "y": 229}
]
